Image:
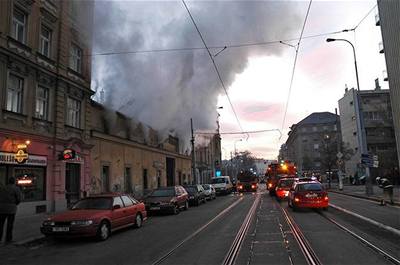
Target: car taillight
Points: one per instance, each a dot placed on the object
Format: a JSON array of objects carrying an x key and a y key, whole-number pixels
[
  {"x": 253, "y": 186},
  {"x": 270, "y": 185},
  {"x": 326, "y": 198}
]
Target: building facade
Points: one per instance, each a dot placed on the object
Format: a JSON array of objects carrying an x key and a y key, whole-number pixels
[
  {"x": 388, "y": 19},
  {"x": 379, "y": 129},
  {"x": 208, "y": 157},
  {"x": 44, "y": 98},
  {"x": 127, "y": 156},
  {"x": 312, "y": 143}
]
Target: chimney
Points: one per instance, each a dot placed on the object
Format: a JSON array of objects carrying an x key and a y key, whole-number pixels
[
  {"x": 377, "y": 86},
  {"x": 346, "y": 88}
]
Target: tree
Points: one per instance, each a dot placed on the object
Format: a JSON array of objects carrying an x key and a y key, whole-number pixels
[{"x": 245, "y": 160}]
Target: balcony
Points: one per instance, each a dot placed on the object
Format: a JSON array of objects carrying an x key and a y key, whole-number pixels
[
  {"x": 385, "y": 75},
  {"x": 377, "y": 20},
  {"x": 381, "y": 48}
]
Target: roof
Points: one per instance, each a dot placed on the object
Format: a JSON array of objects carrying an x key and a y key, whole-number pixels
[{"x": 319, "y": 118}]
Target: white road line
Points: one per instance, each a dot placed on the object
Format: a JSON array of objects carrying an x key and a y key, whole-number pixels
[
  {"x": 362, "y": 199},
  {"x": 386, "y": 227}
]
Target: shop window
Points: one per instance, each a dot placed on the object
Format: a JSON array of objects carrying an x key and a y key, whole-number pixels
[
  {"x": 14, "y": 93},
  {"x": 42, "y": 103},
  {"x": 36, "y": 191},
  {"x": 105, "y": 179},
  {"x": 18, "y": 30},
  {"x": 73, "y": 112}
]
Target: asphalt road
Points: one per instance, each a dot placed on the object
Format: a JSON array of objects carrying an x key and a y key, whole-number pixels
[{"x": 268, "y": 239}]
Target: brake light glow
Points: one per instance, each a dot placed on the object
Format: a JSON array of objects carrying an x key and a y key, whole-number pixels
[
  {"x": 253, "y": 186},
  {"x": 296, "y": 199},
  {"x": 326, "y": 198},
  {"x": 270, "y": 185}
]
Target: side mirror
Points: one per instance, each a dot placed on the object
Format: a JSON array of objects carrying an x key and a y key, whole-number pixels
[{"x": 116, "y": 207}]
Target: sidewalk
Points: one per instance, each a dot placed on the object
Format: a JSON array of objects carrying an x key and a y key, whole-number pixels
[
  {"x": 27, "y": 228},
  {"x": 359, "y": 191}
]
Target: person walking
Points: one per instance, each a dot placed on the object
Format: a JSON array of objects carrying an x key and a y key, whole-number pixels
[{"x": 10, "y": 197}]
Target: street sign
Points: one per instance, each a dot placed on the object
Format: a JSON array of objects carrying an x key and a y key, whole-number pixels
[
  {"x": 376, "y": 164},
  {"x": 339, "y": 155},
  {"x": 369, "y": 160}
]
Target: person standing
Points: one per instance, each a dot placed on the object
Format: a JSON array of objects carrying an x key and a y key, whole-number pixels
[{"x": 10, "y": 197}]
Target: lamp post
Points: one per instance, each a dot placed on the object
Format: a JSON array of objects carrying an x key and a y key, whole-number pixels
[{"x": 362, "y": 141}]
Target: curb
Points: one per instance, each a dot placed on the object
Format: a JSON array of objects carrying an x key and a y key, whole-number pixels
[
  {"x": 362, "y": 197},
  {"x": 380, "y": 225}
]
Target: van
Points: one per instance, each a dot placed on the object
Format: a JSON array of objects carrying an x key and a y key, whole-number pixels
[{"x": 222, "y": 184}]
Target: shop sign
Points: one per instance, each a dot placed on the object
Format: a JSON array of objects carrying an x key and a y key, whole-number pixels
[
  {"x": 68, "y": 154},
  {"x": 32, "y": 160},
  {"x": 25, "y": 181},
  {"x": 21, "y": 156}
]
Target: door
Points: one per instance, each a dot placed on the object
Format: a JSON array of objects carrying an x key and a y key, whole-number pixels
[
  {"x": 170, "y": 171},
  {"x": 130, "y": 210},
  {"x": 72, "y": 183},
  {"x": 105, "y": 179},
  {"x": 128, "y": 180},
  {"x": 118, "y": 215}
]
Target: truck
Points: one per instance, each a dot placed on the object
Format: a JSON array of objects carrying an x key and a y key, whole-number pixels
[
  {"x": 276, "y": 170},
  {"x": 246, "y": 181}
]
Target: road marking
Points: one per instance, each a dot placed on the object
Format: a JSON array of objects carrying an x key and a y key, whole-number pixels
[
  {"x": 359, "y": 197},
  {"x": 386, "y": 227}
]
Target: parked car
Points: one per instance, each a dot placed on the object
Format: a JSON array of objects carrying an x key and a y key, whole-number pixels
[
  {"x": 97, "y": 215},
  {"x": 209, "y": 191},
  {"x": 308, "y": 194},
  {"x": 167, "y": 199},
  {"x": 222, "y": 185},
  {"x": 283, "y": 187},
  {"x": 196, "y": 194}
]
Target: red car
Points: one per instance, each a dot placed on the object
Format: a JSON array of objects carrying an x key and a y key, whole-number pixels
[
  {"x": 97, "y": 215},
  {"x": 308, "y": 194},
  {"x": 283, "y": 187}
]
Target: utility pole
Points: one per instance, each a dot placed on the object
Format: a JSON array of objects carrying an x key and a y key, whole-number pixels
[{"x": 193, "y": 154}]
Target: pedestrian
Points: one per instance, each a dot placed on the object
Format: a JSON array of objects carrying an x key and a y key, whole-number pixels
[{"x": 10, "y": 197}]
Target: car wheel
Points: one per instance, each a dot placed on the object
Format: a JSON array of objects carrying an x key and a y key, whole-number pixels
[
  {"x": 294, "y": 208},
  {"x": 138, "y": 221},
  {"x": 186, "y": 205},
  {"x": 103, "y": 232},
  {"x": 325, "y": 208},
  {"x": 175, "y": 210}
]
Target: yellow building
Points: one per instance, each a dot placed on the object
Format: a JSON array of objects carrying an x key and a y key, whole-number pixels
[{"x": 127, "y": 156}]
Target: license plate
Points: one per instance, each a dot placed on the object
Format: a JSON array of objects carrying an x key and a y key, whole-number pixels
[
  {"x": 60, "y": 229},
  {"x": 155, "y": 208},
  {"x": 311, "y": 195}
]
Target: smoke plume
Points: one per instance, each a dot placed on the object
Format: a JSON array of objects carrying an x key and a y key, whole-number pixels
[{"x": 166, "y": 89}]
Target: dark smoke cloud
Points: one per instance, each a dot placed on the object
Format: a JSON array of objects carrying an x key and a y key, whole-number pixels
[{"x": 165, "y": 90}]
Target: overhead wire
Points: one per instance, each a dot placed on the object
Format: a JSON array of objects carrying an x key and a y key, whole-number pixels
[
  {"x": 294, "y": 65},
  {"x": 215, "y": 67}
]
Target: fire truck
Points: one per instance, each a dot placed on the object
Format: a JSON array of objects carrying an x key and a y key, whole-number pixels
[
  {"x": 277, "y": 170},
  {"x": 246, "y": 181}
]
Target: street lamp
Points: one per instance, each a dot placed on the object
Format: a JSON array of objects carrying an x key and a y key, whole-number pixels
[
  {"x": 362, "y": 141},
  {"x": 234, "y": 145}
]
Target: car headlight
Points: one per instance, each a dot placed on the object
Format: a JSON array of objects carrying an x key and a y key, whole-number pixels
[
  {"x": 48, "y": 223},
  {"x": 82, "y": 222}
]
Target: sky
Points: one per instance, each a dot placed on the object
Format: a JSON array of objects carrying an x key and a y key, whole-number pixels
[{"x": 164, "y": 89}]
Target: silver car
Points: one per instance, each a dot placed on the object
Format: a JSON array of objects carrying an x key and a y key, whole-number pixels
[{"x": 209, "y": 191}]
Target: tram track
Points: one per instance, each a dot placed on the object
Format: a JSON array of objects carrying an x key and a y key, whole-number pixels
[
  {"x": 310, "y": 255},
  {"x": 233, "y": 251}
]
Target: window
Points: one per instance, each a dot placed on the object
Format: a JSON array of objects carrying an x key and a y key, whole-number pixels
[
  {"x": 145, "y": 184},
  {"x": 314, "y": 129},
  {"x": 14, "y": 94},
  {"x": 316, "y": 146},
  {"x": 18, "y": 31},
  {"x": 45, "y": 41},
  {"x": 105, "y": 179},
  {"x": 118, "y": 201},
  {"x": 73, "y": 112},
  {"x": 42, "y": 103},
  {"x": 318, "y": 164},
  {"x": 75, "y": 58},
  {"x": 128, "y": 181},
  {"x": 325, "y": 128},
  {"x": 304, "y": 129},
  {"x": 127, "y": 201}
]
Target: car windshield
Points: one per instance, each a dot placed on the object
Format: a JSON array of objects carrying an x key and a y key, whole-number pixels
[
  {"x": 218, "y": 180},
  {"x": 206, "y": 187},
  {"x": 310, "y": 187},
  {"x": 93, "y": 203},
  {"x": 286, "y": 183},
  {"x": 191, "y": 190},
  {"x": 163, "y": 193}
]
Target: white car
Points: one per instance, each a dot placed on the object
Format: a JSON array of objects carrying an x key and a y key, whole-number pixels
[
  {"x": 209, "y": 191},
  {"x": 222, "y": 185}
]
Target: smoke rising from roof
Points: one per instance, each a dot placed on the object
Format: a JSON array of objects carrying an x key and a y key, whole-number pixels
[{"x": 166, "y": 89}]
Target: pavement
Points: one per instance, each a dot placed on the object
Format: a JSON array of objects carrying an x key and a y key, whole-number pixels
[
  {"x": 359, "y": 191},
  {"x": 27, "y": 228}
]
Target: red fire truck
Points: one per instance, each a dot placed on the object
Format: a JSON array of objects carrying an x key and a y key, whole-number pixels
[{"x": 277, "y": 170}]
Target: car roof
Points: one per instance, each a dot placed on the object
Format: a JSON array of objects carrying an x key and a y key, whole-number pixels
[
  {"x": 108, "y": 195},
  {"x": 309, "y": 182}
]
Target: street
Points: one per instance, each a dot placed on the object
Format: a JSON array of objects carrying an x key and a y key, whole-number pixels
[{"x": 197, "y": 237}]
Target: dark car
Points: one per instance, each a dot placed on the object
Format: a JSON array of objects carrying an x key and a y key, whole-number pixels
[
  {"x": 196, "y": 194},
  {"x": 167, "y": 199},
  {"x": 97, "y": 215},
  {"x": 308, "y": 194}
]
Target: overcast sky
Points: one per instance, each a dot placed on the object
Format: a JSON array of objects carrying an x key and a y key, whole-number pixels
[{"x": 166, "y": 89}]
